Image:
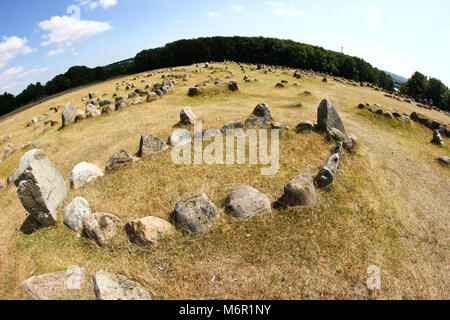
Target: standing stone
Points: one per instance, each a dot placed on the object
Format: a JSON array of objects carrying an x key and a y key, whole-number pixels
[
  {"x": 187, "y": 116},
  {"x": 101, "y": 227},
  {"x": 327, "y": 117},
  {"x": 75, "y": 212},
  {"x": 69, "y": 114},
  {"x": 194, "y": 92},
  {"x": 245, "y": 202},
  {"x": 40, "y": 187},
  {"x": 197, "y": 214},
  {"x": 148, "y": 230},
  {"x": 233, "y": 86},
  {"x": 437, "y": 138},
  {"x": 179, "y": 137},
  {"x": 299, "y": 191},
  {"x": 118, "y": 158},
  {"x": 110, "y": 286},
  {"x": 262, "y": 110},
  {"x": 55, "y": 285},
  {"x": 84, "y": 173},
  {"x": 150, "y": 144}
]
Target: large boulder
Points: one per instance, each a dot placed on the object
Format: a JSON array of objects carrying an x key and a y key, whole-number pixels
[
  {"x": 245, "y": 202},
  {"x": 179, "y": 137},
  {"x": 40, "y": 187},
  {"x": 100, "y": 227},
  {"x": 119, "y": 158},
  {"x": 110, "y": 286},
  {"x": 327, "y": 117},
  {"x": 299, "y": 191},
  {"x": 55, "y": 285},
  {"x": 69, "y": 114},
  {"x": 148, "y": 230},
  {"x": 187, "y": 116},
  {"x": 84, "y": 173},
  {"x": 262, "y": 110},
  {"x": 197, "y": 214},
  {"x": 75, "y": 213},
  {"x": 150, "y": 144}
]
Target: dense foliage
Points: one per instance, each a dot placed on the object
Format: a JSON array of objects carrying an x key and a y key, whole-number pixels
[
  {"x": 432, "y": 90},
  {"x": 243, "y": 49}
]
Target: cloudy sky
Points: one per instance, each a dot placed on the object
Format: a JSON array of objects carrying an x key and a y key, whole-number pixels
[{"x": 39, "y": 39}]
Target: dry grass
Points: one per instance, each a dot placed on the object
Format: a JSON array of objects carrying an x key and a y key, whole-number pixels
[{"x": 387, "y": 207}]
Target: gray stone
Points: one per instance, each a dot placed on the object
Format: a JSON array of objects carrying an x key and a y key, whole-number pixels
[
  {"x": 256, "y": 122},
  {"x": 197, "y": 214},
  {"x": 350, "y": 142},
  {"x": 69, "y": 114},
  {"x": 262, "y": 110},
  {"x": 336, "y": 135},
  {"x": 104, "y": 102},
  {"x": 119, "y": 158},
  {"x": 110, "y": 286},
  {"x": 326, "y": 175},
  {"x": 299, "y": 191},
  {"x": 279, "y": 126},
  {"x": 150, "y": 144},
  {"x": 55, "y": 285},
  {"x": 84, "y": 173},
  {"x": 179, "y": 137},
  {"x": 40, "y": 187},
  {"x": 100, "y": 227},
  {"x": 75, "y": 212},
  {"x": 444, "y": 160},
  {"x": 187, "y": 116},
  {"x": 245, "y": 202},
  {"x": 437, "y": 138},
  {"x": 233, "y": 124},
  {"x": 328, "y": 118},
  {"x": 305, "y": 126},
  {"x": 194, "y": 92},
  {"x": 138, "y": 100},
  {"x": 388, "y": 115}
]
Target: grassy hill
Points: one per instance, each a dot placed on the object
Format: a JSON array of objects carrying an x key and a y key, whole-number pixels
[{"x": 388, "y": 205}]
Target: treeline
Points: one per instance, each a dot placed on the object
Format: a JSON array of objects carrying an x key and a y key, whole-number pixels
[
  {"x": 261, "y": 50},
  {"x": 267, "y": 51},
  {"x": 74, "y": 77},
  {"x": 429, "y": 91}
]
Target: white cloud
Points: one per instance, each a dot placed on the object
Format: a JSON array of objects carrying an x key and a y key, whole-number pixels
[
  {"x": 276, "y": 4},
  {"x": 11, "y": 47},
  {"x": 374, "y": 20},
  {"x": 68, "y": 30},
  {"x": 16, "y": 79},
  {"x": 32, "y": 72},
  {"x": 286, "y": 12},
  {"x": 213, "y": 14},
  {"x": 92, "y": 5},
  {"x": 75, "y": 53},
  {"x": 238, "y": 8},
  {"x": 56, "y": 52}
]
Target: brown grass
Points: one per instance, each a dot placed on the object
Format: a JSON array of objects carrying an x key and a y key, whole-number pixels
[{"x": 388, "y": 205}]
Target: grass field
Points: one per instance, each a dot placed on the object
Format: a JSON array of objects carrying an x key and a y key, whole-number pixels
[{"x": 388, "y": 206}]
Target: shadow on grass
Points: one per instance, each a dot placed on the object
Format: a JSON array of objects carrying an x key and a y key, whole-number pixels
[{"x": 30, "y": 226}]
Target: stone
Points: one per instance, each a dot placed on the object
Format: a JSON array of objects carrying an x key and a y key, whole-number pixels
[
  {"x": 305, "y": 126},
  {"x": 299, "y": 191},
  {"x": 233, "y": 86},
  {"x": 119, "y": 158},
  {"x": 69, "y": 114},
  {"x": 388, "y": 115},
  {"x": 84, "y": 173},
  {"x": 107, "y": 109},
  {"x": 379, "y": 112},
  {"x": 187, "y": 116},
  {"x": 256, "y": 122},
  {"x": 150, "y": 144},
  {"x": 443, "y": 160},
  {"x": 336, "y": 134},
  {"x": 179, "y": 137},
  {"x": 326, "y": 175},
  {"x": 437, "y": 138},
  {"x": 40, "y": 187},
  {"x": 327, "y": 117},
  {"x": 324, "y": 80},
  {"x": 138, "y": 100},
  {"x": 414, "y": 116},
  {"x": 104, "y": 102},
  {"x": 279, "y": 85},
  {"x": 339, "y": 149},
  {"x": 262, "y": 110},
  {"x": 361, "y": 106},
  {"x": 110, "y": 286},
  {"x": 233, "y": 124},
  {"x": 101, "y": 227},
  {"x": 245, "y": 202},
  {"x": 295, "y": 105},
  {"x": 55, "y": 285},
  {"x": 132, "y": 95},
  {"x": 149, "y": 230},
  {"x": 279, "y": 126},
  {"x": 350, "y": 142},
  {"x": 121, "y": 105},
  {"x": 75, "y": 212},
  {"x": 197, "y": 214},
  {"x": 152, "y": 97},
  {"x": 91, "y": 95},
  {"x": 194, "y": 92}
]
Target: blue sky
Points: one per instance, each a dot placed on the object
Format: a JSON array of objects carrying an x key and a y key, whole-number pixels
[{"x": 39, "y": 39}]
